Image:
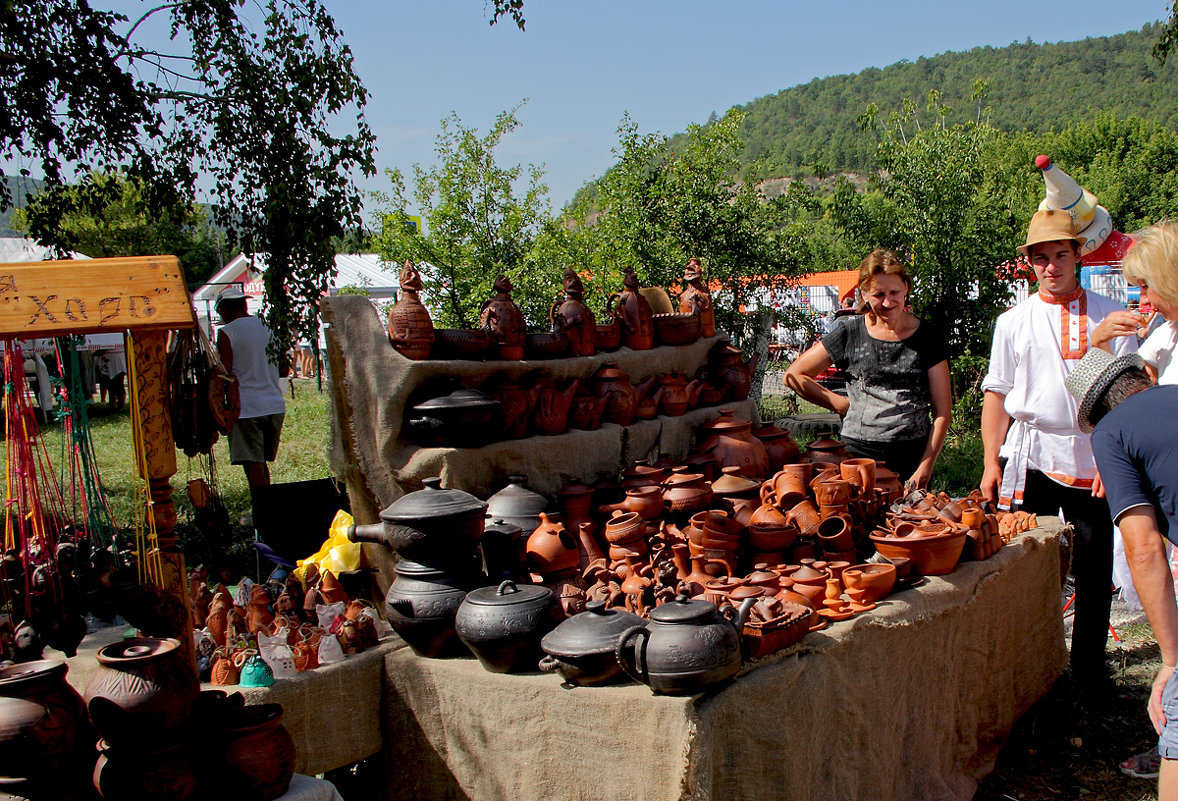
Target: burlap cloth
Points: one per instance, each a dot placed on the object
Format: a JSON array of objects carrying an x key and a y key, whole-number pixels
[
  {"x": 910, "y": 701},
  {"x": 371, "y": 383}
]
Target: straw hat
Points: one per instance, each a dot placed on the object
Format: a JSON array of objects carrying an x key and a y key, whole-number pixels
[
  {"x": 229, "y": 293},
  {"x": 1050, "y": 225},
  {"x": 1093, "y": 377}
]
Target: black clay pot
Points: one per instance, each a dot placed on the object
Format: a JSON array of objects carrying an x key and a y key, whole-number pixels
[
  {"x": 466, "y": 418},
  {"x": 518, "y": 505},
  {"x": 420, "y": 606},
  {"x": 433, "y": 526},
  {"x": 581, "y": 649},
  {"x": 503, "y": 625}
]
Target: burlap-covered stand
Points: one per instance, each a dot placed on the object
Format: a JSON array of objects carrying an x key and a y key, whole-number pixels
[
  {"x": 371, "y": 384},
  {"x": 910, "y": 701}
]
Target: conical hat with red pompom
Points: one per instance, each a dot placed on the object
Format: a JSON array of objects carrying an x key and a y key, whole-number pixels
[{"x": 1092, "y": 221}]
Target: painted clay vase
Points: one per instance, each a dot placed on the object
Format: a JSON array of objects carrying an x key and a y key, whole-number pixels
[
  {"x": 729, "y": 368},
  {"x": 731, "y": 443},
  {"x": 142, "y": 693},
  {"x": 551, "y": 413},
  {"x": 504, "y": 322},
  {"x": 634, "y": 314},
  {"x": 574, "y": 318},
  {"x": 550, "y": 547},
  {"x": 679, "y": 394},
  {"x": 697, "y": 299},
  {"x": 45, "y": 736},
  {"x": 411, "y": 331},
  {"x": 779, "y": 445},
  {"x": 613, "y": 386},
  {"x": 256, "y": 752}
]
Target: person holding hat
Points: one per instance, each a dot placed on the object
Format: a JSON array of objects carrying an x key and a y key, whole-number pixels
[
  {"x": 1135, "y": 441},
  {"x": 1036, "y": 457},
  {"x": 243, "y": 343}
]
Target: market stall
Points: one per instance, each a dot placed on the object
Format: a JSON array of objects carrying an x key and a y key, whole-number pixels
[{"x": 910, "y": 701}]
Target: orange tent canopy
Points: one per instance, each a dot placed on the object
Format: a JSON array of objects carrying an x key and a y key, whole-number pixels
[{"x": 844, "y": 281}]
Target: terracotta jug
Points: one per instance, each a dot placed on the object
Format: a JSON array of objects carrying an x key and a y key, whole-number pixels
[
  {"x": 731, "y": 443},
  {"x": 679, "y": 394},
  {"x": 696, "y": 298},
  {"x": 729, "y": 368},
  {"x": 515, "y": 403},
  {"x": 503, "y": 320},
  {"x": 574, "y": 318},
  {"x": 634, "y": 314},
  {"x": 587, "y": 410},
  {"x": 621, "y": 400},
  {"x": 650, "y": 394},
  {"x": 551, "y": 548},
  {"x": 411, "y": 331},
  {"x": 551, "y": 413}
]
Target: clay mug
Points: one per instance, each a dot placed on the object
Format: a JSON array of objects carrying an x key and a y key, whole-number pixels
[
  {"x": 973, "y": 517},
  {"x": 793, "y": 478},
  {"x": 804, "y": 516},
  {"x": 831, "y": 474},
  {"x": 861, "y": 473},
  {"x": 834, "y": 492},
  {"x": 834, "y": 535}
]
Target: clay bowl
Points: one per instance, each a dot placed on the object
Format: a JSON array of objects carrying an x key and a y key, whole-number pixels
[
  {"x": 550, "y": 345},
  {"x": 460, "y": 343},
  {"x": 624, "y": 528},
  {"x": 934, "y": 555},
  {"x": 681, "y": 328},
  {"x": 770, "y": 538},
  {"x": 719, "y": 524},
  {"x": 876, "y": 580}
]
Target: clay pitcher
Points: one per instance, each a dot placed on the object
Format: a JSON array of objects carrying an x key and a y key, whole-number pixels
[
  {"x": 503, "y": 321},
  {"x": 551, "y": 413},
  {"x": 679, "y": 395},
  {"x": 697, "y": 299},
  {"x": 650, "y": 394},
  {"x": 621, "y": 399},
  {"x": 634, "y": 314},
  {"x": 574, "y": 318},
  {"x": 730, "y": 369},
  {"x": 586, "y": 412},
  {"x": 516, "y": 403},
  {"x": 411, "y": 331}
]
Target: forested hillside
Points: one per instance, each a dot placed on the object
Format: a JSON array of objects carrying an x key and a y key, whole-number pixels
[{"x": 813, "y": 128}]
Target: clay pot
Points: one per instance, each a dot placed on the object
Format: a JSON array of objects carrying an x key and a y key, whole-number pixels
[
  {"x": 550, "y": 548},
  {"x": 586, "y": 412},
  {"x": 142, "y": 695},
  {"x": 515, "y": 405},
  {"x": 420, "y": 607},
  {"x": 624, "y": 528},
  {"x": 779, "y": 445},
  {"x": 686, "y": 493},
  {"x": 581, "y": 649},
  {"x": 517, "y": 505},
  {"x": 613, "y": 386},
  {"x": 257, "y": 753},
  {"x": 680, "y": 328},
  {"x": 166, "y": 774},
  {"x": 729, "y": 439},
  {"x": 767, "y": 515},
  {"x": 890, "y": 482},
  {"x": 551, "y": 413},
  {"x": 411, "y": 331},
  {"x": 574, "y": 318},
  {"x": 503, "y": 322},
  {"x": 45, "y": 736},
  {"x": 503, "y": 625},
  {"x": 433, "y": 525},
  {"x": 861, "y": 473},
  {"x": 876, "y": 580},
  {"x": 729, "y": 369},
  {"x": 679, "y": 394},
  {"x": 465, "y": 418},
  {"x": 542, "y": 346},
  {"x": 633, "y": 314},
  {"x": 697, "y": 300},
  {"x": 932, "y": 555}
]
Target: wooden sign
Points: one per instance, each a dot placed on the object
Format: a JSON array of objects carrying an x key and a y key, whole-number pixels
[{"x": 87, "y": 296}]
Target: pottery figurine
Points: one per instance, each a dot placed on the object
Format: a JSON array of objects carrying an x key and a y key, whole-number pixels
[
  {"x": 634, "y": 314},
  {"x": 696, "y": 298},
  {"x": 411, "y": 331},
  {"x": 574, "y": 318},
  {"x": 503, "y": 320}
]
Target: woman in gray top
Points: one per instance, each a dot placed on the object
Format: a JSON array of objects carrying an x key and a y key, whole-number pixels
[{"x": 898, "y": 405}]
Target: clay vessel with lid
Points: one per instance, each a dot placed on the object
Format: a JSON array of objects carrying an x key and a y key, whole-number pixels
[
  {"x": 574, "y": 318},
  {"x": 679, "y": 394},
  {"x": 621, "y": 400},
  {"x": 766, "y": 515},
  {"x": 687, "y": 647},
  {"x": 518, "y": 505},
  {"x": 686, "y": 493},
  {"x": 730, "y": 441},
  {"x": 142, "y": 694},
  {"x": 581, "y": 649},
  {"x": 45, "y": 735},
  {"x": 465, "y": 418},
  {"x": 732, "y": 484},
  {"x": 634, "y": 314},
  {"x": 551, "y": 414},
  {"x": 411, "y": 331},
  {"x": 779, "y": 445},
  {"x": 503, "y": 625},
  {"x": 551, "y": 548},
  {"x": 730, "y": 369},
  {"x": 420, "y": 607},
  {"x": 826, "y": 450},
  {"x": 504, "y": 322},
  {"x": 433, "y": 525},
  {"x": 696, "y": 298}
]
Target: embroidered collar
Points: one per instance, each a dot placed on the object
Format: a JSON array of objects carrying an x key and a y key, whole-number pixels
[{"x": 1061, "y": 300}]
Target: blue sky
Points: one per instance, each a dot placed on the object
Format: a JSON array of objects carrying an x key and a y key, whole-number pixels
[{"x": 581, "y": 64}]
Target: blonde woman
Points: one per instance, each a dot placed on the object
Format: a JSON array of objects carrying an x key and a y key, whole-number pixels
[{"x": 1152, "y": 264}]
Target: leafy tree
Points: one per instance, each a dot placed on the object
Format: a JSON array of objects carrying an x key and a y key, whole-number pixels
[
  {"x": 109, "y": 216},
  {"x": 476, "y": 224},
  {"x": 255, "y": 111}
]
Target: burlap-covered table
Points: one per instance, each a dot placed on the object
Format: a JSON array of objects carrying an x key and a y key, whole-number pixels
[{"x": 910, "y": 701}]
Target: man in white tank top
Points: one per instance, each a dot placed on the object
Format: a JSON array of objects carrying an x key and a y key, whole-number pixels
[{"x": 242, "y": 343}]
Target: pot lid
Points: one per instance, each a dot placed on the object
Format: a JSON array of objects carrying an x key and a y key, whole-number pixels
[
  {"x": 509, "y": 593},
  {"x": 825, "y": 445},
  {"x": 684, "y": 610},
  {"x": 740, "y": 593},
  {"x": 733, "y": 482},
  {"x": 500, "y": 526},
  {"x": 683, "y": 480},
  {"x": 458, "y": 399},
  {"x": 516, "y": 500},
  {"x": 808, "y": 575},
  {"x": 761, "y": 574},
  {"x": 432, "y": 502},
  {"x": 594, "y": 631},
  {"x": 135, "y": 650},
  {"x": 769, "y": 431},
  {"x": 727, "y": 421}
]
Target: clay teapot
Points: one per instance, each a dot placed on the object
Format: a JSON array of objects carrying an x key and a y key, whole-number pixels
[
  {"x": 696, "y": 298},
  {"x": 411, "y": 331},
  {"x": 551, "y": 413},
  {"x": 621, "y": 400},
  {"x": 634, "y": 314},
  {"x": 679, "y": 394},
  {"x": 515, "y": 405},
  {"x": 609, "y": 333},
  {"x": 433, "y": 525},
  {"x": 650, "y": 394},
  {"x": 550, "y": 548},
  {"x": 729, "y": 368},
  {"x": 687, "y": 647},
  {"x": 503, "y": 321},
  {"x": 730, "y": 441},
  {"x": 574, "y": 318}
]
